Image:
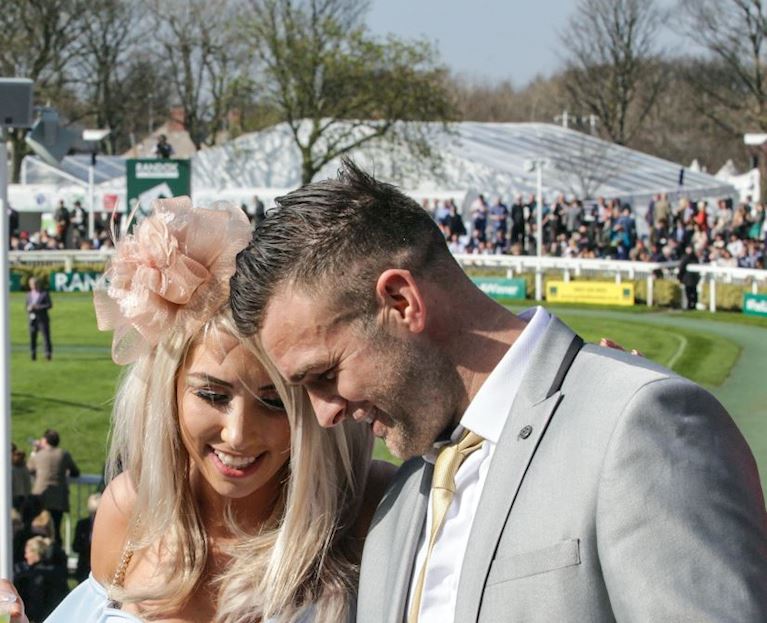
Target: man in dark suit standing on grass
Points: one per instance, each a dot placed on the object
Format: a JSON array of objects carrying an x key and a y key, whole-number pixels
[{"x": 38, "y": 304}]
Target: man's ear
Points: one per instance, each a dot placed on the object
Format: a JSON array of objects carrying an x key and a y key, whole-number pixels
[{"x": 401, "y": 300}]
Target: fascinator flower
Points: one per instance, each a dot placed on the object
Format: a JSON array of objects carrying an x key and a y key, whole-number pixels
[{"x": 172, "y": 273}]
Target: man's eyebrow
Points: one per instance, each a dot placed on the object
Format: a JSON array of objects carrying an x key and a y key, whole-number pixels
[
  {"x": 300, "y": 375},
  {"x": 207, "y": 378}
]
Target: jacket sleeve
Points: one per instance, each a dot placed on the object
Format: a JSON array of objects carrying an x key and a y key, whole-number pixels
[
  {"x": 681, "y": 521},
  {"x": 72, "y": 468}
]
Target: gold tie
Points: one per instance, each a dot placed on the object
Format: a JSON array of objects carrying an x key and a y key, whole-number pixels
[{"x": 446, "y": 466}]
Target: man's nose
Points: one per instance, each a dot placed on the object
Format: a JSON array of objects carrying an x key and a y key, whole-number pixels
[{"x": 328, "y": 410}]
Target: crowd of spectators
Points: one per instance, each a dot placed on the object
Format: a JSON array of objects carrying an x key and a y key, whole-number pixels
[
  {"x": 70, "y": 231},
  {"x": 723, "y": 234},
  {"x": 40, "y": 496}
]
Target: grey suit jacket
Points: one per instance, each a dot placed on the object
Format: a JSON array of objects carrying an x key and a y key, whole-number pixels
[
  {"x": 635, "y": 498},
  {"x": 51, "y": 467}
]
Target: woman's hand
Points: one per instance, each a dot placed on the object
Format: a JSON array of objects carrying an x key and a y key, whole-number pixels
[{"x": 17, "y": 609}]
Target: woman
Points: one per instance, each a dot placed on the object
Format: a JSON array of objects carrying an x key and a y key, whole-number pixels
[{"x": 234, "y": 505}]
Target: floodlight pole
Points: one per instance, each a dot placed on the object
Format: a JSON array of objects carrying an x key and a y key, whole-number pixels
[
  {"x": 6, "y": 542},
  {"x": 91, "y": 198},
  {"x": 539, "y": 229}
]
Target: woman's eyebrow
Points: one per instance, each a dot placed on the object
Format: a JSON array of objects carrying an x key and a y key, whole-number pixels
[{"x": 207, "y": 378}]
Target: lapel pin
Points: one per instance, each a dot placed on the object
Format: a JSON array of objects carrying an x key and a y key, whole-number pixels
[{"x": 525, "y": 432}]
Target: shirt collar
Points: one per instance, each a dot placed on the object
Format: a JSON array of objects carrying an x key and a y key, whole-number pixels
[{"x": 487, "y": 413}]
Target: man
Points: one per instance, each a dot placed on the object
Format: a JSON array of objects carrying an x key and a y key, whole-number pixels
[
  {"x": 589, "y": 485},
  {"x": 38, "y": 303},
  {"x": 62, "y": 217},
  {"x": 163, "y": 149},
  {"x": 688, "y": 278},
  {"x": 51, "y": 466}
]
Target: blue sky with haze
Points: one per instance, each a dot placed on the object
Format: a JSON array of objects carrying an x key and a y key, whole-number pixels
[{"x": 491, "y": 39}]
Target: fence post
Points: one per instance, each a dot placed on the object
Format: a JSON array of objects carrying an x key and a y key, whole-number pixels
[
  {"x": 650, "y": 288},
  {"x": 712, "y": 293},
  {"x": 538, "y": 283}
]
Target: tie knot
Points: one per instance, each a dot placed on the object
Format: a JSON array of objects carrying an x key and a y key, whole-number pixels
[{"x": 451, "y": 457}]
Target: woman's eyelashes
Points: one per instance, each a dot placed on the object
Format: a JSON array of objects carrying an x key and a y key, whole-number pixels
[
  {"x": 271, "y": 400},
  {"x": 213, "y": 397}
]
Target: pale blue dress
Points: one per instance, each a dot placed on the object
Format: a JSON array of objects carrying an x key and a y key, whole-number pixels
[{"x": 89, "y": 603}]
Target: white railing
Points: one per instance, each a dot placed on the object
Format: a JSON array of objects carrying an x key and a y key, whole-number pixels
[
  {"x": 518, "y": 264},
  {"x": 728, "y": 274},
  {"x": 67, "y": 257}
]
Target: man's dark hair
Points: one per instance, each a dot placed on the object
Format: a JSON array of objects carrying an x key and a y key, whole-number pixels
[
  {"x": 336, "y": 236},
  {"x": 52, "y": 437}
]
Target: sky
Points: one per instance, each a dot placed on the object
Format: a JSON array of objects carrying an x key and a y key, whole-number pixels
[{"x": 489, "y": 40}]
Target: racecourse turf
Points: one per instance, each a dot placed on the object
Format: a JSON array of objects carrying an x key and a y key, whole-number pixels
[{"x": 73, "y": 392}]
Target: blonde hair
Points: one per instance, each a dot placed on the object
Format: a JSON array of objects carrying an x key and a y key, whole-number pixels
[
  {"x": 40, "y": 545},
  {"x": 305, "y": 555}
]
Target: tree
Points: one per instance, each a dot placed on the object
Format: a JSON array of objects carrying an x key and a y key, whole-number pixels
[
  {"x": 38, "y": 43},
  {"x": 197, "y": 40},
  {"x": 613, "y": 69},
  {"x": 105, "y": 53},
  {"x": 732, "y": 83},
  {"x": 337, "y": 87}
]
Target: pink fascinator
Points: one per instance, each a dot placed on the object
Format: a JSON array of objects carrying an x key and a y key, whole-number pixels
[{"x": 171, "y": 273}]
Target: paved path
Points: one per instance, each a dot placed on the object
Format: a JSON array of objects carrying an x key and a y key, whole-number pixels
[{"x": 744, "y": 393}]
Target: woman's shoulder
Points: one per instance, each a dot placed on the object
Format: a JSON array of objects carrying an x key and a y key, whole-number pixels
[
  {"x": 110, "y": 528},
  {"x": 380, "y": 476}
]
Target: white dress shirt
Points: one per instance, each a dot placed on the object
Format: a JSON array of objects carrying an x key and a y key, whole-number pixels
[{"x": 486, "y": 416}]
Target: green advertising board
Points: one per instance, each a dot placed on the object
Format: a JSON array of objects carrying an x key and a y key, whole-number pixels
[
  {"x": 73, "y": 282},
  {"x": 15, "y": 282},
  {"x": 755, "y": 304},
  {"x": 502, "y": 289},
  {"x": 148, "y": 179}
]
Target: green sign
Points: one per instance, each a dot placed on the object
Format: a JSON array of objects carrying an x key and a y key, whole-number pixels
[
  {"x": 148, "y": 179},
  {"x": 73, "y": 282},
  {"x": 15, "y": 282},
  {"x": 755, "y": 304},
  {"x": 502, "y": 289}
]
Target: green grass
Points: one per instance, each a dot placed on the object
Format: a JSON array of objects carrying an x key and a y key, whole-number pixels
[{"x": 73, "y": 392}]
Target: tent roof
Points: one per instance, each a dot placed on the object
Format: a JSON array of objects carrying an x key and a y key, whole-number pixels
[
  {"x": 479, "y": 157},
  {"x": 73, "y": 169}
]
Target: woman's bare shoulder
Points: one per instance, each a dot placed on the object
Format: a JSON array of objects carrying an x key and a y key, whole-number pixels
[
  {"x": 110, "y": 529},
  {"x": 380, "y": 476}
]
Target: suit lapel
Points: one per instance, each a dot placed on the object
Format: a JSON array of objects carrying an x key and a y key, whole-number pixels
[
  {"x": 404, "y": 546},
  {"x": 530, "y": 414}
]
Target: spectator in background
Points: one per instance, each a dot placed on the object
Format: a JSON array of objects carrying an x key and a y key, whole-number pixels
[
  {"x": 51, "y": 465},
  {"x": 260, "y": 213},
  {"x": 517, "y": 221},
  {"x": 479, "y": 212},
  {"x": 21, "y": 480},
  {"x": 163, "y": 149},
  {"x": 79, "y": 221},
  {"x": 573, "y": 216},
  {"x": 82, "y": 541},
  {"x": 688, "y": 278},
  {"x": 499, "y": 220},
  {"x": 38, "y": 303},
  {"x": 13, "y": 221},
  {"x": 61, "y": 217},
  {"x": 455, "y": 221},
  {"x": 41, "y": 583}
]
